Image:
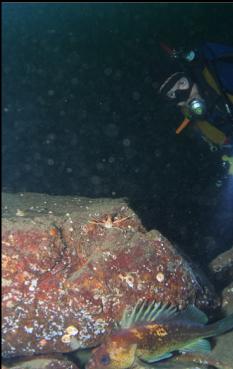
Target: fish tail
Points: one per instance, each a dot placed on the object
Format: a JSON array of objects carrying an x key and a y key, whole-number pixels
[{"x": 220, "y": 327}]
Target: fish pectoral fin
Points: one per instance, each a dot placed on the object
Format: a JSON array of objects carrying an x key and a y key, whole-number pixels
[
  {"x": 151, "y": 358},
  {"x": 201, "y": 345}
]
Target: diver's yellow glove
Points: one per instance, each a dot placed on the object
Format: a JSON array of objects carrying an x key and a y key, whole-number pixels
[{"x": 230, "y": 161}]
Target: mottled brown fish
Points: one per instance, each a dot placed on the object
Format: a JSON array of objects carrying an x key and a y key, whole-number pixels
[{"x": 153, "y": 332}]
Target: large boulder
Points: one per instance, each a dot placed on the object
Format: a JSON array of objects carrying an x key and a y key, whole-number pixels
[{"x": 72, "y": 265}]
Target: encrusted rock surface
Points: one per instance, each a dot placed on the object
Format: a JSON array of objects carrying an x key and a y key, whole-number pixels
[
  {"x": 222, "y": 347},
  {"x": 222, "y": 267},
  {"x": 72, "y": 265},
  {"x": 43, "y": 362}
]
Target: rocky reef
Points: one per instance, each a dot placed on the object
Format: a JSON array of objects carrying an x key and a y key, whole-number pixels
[{"x": 72, "y": 265}]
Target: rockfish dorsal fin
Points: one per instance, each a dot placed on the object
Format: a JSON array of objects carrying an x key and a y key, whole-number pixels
[
  {"x": 147, "y": 312},
  {"x": 194, "y": 314}
]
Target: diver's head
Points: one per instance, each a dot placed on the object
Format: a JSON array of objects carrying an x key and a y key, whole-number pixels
[
  {"x": 176, "y": 88},
  {"x": 180, "y": 90}
]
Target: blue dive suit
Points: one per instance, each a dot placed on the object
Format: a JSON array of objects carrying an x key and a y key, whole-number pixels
[{"x": 212, "y": 70}]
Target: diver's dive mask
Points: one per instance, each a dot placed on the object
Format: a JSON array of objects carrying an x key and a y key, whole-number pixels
[
  {"x": 197, "y": 107},
  {"x": 173, "y": 91},
  {"x": 177, "y": 88}
]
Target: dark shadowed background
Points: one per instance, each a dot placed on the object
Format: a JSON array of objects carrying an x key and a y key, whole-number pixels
[{"x": 81, "y": 115}]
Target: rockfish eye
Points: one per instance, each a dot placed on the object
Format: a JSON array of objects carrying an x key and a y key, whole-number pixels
[{"x": 105, "y": 359}]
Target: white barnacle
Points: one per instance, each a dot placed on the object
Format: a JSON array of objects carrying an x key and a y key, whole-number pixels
[
  {"x": 128, "y": 279},
  {"x": 71, "y": 330},
  {"x": 66, "y": 338},
  {"x": 33, "y": 285},
  {"x": 160, "y": 277},
  {"x": 28, "y": 329},
  {"x": 20, "y": 213}
]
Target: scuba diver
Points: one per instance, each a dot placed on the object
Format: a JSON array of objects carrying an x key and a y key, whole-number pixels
[{"x": 200, "y": 83}]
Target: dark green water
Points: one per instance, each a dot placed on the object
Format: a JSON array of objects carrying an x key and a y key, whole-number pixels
[{"x": 81, "y": 116}]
